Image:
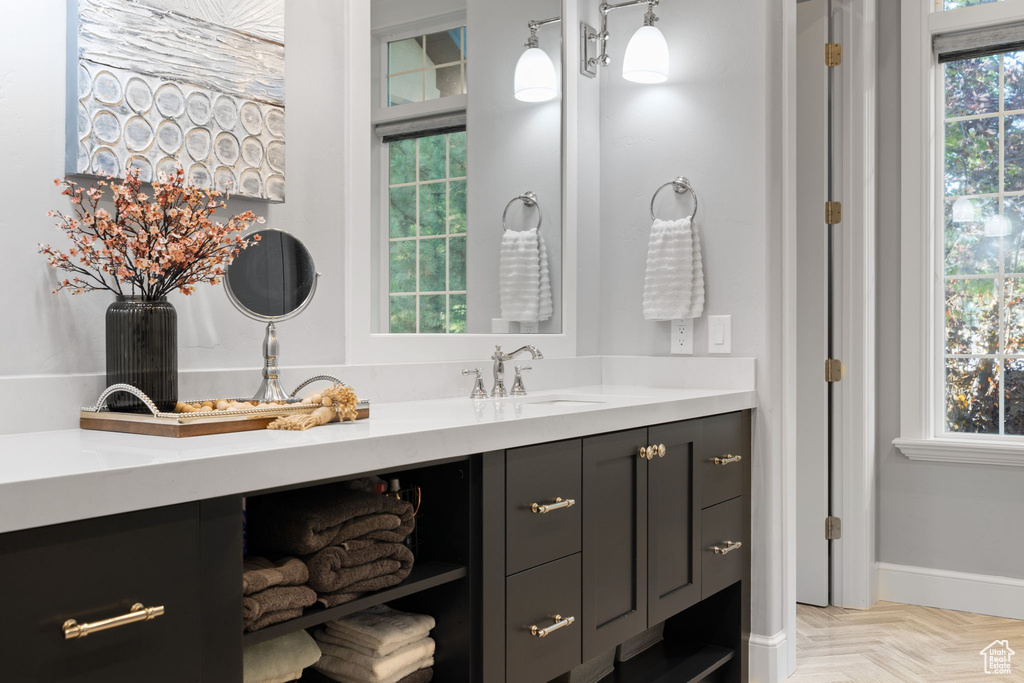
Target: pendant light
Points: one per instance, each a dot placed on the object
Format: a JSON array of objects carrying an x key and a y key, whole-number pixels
[
  {"x": 535, "y": 80},
  {"x": 963, "y": 211},
  {"x": 997, "y": 226},
  {"x": 646, "y": 58}
]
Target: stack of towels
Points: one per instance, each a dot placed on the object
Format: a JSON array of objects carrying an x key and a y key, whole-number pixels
[
  {"x": 524, "y": 277},
  {"x": 378, "y": 645},
  {"x": 279, "y": 660},
  {"x": 274, "y": 591},
  {"x": 674, "y": 283},
  {"x": 350, "y": 541}
]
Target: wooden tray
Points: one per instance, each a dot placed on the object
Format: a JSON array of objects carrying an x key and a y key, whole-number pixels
[{"x": 188, "y": 424}]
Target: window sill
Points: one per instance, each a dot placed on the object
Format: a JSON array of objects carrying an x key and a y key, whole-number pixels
[{"x": 962, "y": 451}]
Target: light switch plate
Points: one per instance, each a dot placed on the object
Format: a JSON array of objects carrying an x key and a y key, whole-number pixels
[
  {"x": 500, "y": 326},
  {"x": 719, "y": 334},
  {"x": 682, "y": 337}
]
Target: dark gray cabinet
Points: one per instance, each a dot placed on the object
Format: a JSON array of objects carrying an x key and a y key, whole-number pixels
[
  {"x": 672, "y": 506},
  {"x": 614, "y": 540},
  {"x": 95, "y": 570}
]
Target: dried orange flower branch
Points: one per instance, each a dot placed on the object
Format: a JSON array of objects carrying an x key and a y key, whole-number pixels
[{"x": 150, "y": 246}]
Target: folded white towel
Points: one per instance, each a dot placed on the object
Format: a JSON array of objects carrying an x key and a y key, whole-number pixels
[
  {"x": 347, "y": 672},
  {"x": 278, "y": 660},
  {"x": 382, "y": 667},
  {"x": 381, "y": 630},
  {"x": 334, "y": 638},
  {"x": 674, "y": 283},
  {"x": 524, "y": 277}
]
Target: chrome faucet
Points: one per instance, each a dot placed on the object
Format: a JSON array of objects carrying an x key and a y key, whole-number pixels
[{"x": 499, "y": 359}]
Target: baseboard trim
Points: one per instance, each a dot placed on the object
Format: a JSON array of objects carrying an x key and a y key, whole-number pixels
[
  {"x": 769, "y": 657},
  {"x": 997, "y": 596}
]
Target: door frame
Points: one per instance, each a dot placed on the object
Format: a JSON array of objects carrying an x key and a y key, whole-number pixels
[{"x": 854, "y": 485}]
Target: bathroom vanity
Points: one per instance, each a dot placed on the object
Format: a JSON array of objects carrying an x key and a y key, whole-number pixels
[{"x": 524, "y": 584}]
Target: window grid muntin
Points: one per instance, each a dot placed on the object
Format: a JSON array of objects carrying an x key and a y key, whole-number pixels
[
  {"x": 424, "y": 68},
  {"x": 447, "y": 236}
]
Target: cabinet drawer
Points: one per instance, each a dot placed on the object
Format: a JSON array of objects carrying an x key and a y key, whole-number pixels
[
  {"x": 721, "y": 476},
  {"x": 538, "y": 476},
  {"x": 721, "y": 525},
  {"x": 94, "y": 570},
  {"x": 535, "y": 598}
]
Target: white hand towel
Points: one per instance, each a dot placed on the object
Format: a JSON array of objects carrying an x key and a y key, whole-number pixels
[
  {"x": 524, "y": 277},
  {"x": 382, "y": 668},
  {"x": 382, "y": 629},
  {"x": 674, "y": 283},
  {"x": 347, "y": 672},
  {"x": 277, "y": 660}
]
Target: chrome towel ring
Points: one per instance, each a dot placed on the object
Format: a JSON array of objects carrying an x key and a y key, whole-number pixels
[
  {"x": 530, "y": 199},
  {"x": 681, "y": 185}
]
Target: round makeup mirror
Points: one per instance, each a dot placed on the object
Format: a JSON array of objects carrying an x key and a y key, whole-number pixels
[{"x": 271, "y": 281}]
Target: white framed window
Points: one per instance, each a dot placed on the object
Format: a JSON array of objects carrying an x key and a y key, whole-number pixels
[{"x": 962, "y": 222}]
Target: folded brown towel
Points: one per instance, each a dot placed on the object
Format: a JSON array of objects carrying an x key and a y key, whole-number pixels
[
  {"x": 421, "y": 676},
  {"x": 336, "y": 567},
  {"x": 335, "y": 599},
  {"x": 304, "y": 521},
  {"x": 259, "y": 574},
  {"x": 271, "y": 618},
  {"x": 373, "y": 583},
  {"x": 276, "y": 599}
]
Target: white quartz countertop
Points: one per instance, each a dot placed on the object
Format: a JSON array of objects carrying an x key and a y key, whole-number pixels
[{"x": 60, "y": 476}]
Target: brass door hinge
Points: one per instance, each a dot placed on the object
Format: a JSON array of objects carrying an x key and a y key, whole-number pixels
[
  {"x": 833, "y": 54},
  {"x": 833, "y": 213},
  {"x": 834, "y": 370},
  {"x": 833, "y": 528}
]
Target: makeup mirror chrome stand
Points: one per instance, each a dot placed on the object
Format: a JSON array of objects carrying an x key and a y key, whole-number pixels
[{"x": 275, "y": 247}]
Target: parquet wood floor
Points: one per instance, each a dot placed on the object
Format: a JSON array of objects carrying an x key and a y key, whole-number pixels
[{"x": 904, "y": 643}]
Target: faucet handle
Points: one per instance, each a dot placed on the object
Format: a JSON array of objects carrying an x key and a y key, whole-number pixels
[
  {"x": 517, "y": 386},
  {"x": 478, "y": 385}
]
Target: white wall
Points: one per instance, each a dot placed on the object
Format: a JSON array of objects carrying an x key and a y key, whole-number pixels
[
  {"x": 963, "y": 518},
  {"x": 513, "y": 147},
  {"x": 59, "y": 334}
]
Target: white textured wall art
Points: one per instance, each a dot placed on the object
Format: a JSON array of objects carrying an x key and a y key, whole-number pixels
[{"x": 195, "y": 84}]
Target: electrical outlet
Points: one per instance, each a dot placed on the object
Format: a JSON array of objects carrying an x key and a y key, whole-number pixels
[
  {"x": 527, "y": 327},
  {"x": 719, "y": 334},
  {"x": 682, "y": 337}
]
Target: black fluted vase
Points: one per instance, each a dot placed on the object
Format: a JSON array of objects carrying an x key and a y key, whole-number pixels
[{"x": 142, "y": 350}]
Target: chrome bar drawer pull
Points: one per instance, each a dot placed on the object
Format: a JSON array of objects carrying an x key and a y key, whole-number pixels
[
  {"x": 729, "y": 547},
  {"x": 559, "y": 623},
  {"x": 727, "y": 459},
  {"x": 72, "y": 629},
  {"x": 559, "y": 504}
]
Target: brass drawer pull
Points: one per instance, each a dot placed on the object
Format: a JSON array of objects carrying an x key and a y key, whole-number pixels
[
  {"x": 643, "y": 452},
  {"x": 660, "y": 450},
  {"x": 72, "y": 629},
  {"x": 559, "y": 504},
  {"x": 559, "y": 623},
  {"x": 729, "y": 547},
  {"x": 727, "y": 459}
]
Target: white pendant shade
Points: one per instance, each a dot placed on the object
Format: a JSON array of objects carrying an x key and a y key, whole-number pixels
[
  {"x": 997, "y": 226},
  {"x": 963, "y": 211},
  {"x": 535, "y": 77},
  {"x": 646, "y": 58}
]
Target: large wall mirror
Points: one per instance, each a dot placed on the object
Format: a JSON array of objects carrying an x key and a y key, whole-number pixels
[{"x": 467, "y": 167}]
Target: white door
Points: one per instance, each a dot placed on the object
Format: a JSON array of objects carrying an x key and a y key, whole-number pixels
[{"x": 812, "y": 476}]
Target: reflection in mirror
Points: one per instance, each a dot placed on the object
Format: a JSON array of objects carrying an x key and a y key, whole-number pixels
[
  {"x": 453, "y": 148},
  {"x": 272, "y": 282}
]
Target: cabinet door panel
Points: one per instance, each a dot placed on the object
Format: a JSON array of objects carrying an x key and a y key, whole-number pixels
[
  {"x": 723, "y": 436},
  {"x": 534, "y": 598},
  {"x": 540, "y": 474},
  {"x": 94, "y": 570},
  {"x": 614, "y": 540},
  {"x": 673, "y": 506}
]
